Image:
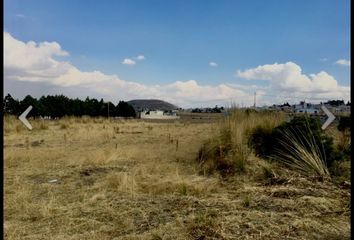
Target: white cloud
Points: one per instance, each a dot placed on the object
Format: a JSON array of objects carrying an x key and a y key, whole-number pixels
[
  {"x": 343, "y": 62},
  {"x": 32, "y": 62},
  {"x": 213, "y": 64},
  {"x": 288, "y": 78},
  {"x": 128, "y": 61},
  {"x": 140, "y": 57}
]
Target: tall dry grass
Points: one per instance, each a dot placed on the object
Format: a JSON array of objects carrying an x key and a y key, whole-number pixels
[
  {"x": 127, "y": 179},
  {"x": 228, "y": 151},
  {"x": 301, "y": 152}
]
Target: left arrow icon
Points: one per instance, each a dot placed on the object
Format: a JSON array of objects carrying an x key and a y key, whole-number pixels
[{"x": 23, "y": 119}]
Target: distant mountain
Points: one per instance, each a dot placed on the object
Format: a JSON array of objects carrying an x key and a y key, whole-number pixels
[{"x": 151, "y": 104}]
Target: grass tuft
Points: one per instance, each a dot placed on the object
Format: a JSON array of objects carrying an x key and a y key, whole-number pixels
[
  {"x": 228, "y": 151},
  {"x": 301, "y": 152}
]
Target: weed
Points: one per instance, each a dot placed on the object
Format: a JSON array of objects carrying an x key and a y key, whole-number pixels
[
  {"x": 340, "y": 170},
  {"x": 183, "y": 189},
  {"x": 64, "y": 126},
  {"x": 43, "y": 125},
  {"x": 19, "y": 128},
  {"x": 247, "y": 201},
  {"x": 268, "y": 173}
]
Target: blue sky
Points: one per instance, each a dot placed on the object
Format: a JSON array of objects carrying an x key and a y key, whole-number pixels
[{"x": 180, "y": 38}]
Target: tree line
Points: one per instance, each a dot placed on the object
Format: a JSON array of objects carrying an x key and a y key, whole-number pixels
[{"x": 58, "y": 106}]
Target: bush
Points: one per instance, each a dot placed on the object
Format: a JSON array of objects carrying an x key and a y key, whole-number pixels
[
  {"x": 310, "y": 128},
  {"x": 341, "y": 170},
  {"x": 300, "y": 151},
  {"x": 262, "y": 141},
  {"x": 301, "y": 138},
  {"x": 344, "y": 123},
  {"x": 228, "y": 152},
  {"x": 345, "y": 129}
]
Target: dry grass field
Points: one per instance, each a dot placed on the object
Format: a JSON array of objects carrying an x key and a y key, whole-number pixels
[{"x": 84, "y": 178}]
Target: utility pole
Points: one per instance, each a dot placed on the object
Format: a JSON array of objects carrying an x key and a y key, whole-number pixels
[
  {"x": 254, "y": 100},
  {"x": 108, "y": 110}
]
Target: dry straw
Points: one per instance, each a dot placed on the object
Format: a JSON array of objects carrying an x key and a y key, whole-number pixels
[{"x": 300, "y": 151}]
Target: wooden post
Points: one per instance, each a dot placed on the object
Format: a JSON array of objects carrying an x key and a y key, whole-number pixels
[{"x": 27, "y": 142}]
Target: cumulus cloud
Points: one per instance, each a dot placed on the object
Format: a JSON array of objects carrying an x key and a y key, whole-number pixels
[
  {"x": 35, "y": 63},
  {"x": 343, "y": 62},
  {"x": 140, "y": 57},
  {"x": 213, "y": 64},
  {"x": 128, "y": 61},
  {"x": 288, "y": 77}
]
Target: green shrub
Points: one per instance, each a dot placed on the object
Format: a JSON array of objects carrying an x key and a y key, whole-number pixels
[
  {"x": 341, "y": 170},
  {"x": 262, "y": 141},
  {"x": 246, "y": 201},
  {"x": 183, "y": 189},
  {"x": 344, "y": 123},
  {"x": 300, "y": 141},
  {"x": 345, "y": 145}
]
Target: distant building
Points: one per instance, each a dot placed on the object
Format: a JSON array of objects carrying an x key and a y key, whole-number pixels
[
  {"x": 158, "y": 114},
  {"x": 334, "y": 106},
  {"x": 338, "y": 109},
  {"x": 307, "y": 108}
]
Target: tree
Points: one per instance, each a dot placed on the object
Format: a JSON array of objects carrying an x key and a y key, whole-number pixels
[
  {"x": 30, "y": 101},
  {"x": 58, "y": 106},
  {"x": 336, "y": 103},
  {"x": 124, "y": 109},
  {"x": 11, "y": 106}
]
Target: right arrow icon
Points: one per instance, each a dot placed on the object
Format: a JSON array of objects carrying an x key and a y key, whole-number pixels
[{"x": 330, "y": 118}]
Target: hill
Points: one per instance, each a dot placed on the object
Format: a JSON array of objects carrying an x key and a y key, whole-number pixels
[{"x": 151, "y": 104}]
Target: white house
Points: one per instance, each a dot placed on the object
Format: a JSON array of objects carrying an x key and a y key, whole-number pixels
[
  {"x": 158, "y": 114},
  {"x": 307, "y": 108}
]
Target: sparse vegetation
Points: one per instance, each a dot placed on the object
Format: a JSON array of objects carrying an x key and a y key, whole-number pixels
[{"x": 93, "y": 182}]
